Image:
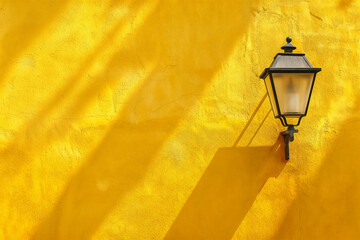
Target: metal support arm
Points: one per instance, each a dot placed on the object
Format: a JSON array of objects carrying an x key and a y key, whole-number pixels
[{"x": 288, "y": 137}]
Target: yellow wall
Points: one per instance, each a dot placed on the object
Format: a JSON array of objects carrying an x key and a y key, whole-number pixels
[{"x": 147, "y": 120}]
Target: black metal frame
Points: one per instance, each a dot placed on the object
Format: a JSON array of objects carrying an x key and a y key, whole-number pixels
[
  {"x": 269, "y": 71},
  {"x": 289, "y": 133}
]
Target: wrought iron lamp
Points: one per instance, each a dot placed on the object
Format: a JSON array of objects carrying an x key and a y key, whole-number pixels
[{"x": 289, "y": 82}]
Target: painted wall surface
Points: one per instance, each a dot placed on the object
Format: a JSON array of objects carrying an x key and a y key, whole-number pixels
[{"x": 147, "y": 119}]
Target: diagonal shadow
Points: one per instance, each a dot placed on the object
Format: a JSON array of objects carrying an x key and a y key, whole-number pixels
[
  {"x": 75, "y": 79},
  {"x": 151, "y": 114},
  {"x": 28, "y": 19},
  {"x": 40, "y": 123},
  {"x": 226, "y": 192}
]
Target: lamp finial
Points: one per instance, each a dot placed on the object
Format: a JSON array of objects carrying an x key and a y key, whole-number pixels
[{"x": 288, "y": 48}]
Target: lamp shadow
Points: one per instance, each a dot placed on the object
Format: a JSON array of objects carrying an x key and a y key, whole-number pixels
[{"x": 226, "y": 191}]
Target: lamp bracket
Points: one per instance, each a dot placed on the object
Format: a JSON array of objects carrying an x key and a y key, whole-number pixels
[{"x": 288, "y": 137}]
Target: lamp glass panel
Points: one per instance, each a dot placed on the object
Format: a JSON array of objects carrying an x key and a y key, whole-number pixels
[
  {"x": 293, "y": 91},
  {"x": 288, "y": 61},
  {"x": 271, "y": 95}
]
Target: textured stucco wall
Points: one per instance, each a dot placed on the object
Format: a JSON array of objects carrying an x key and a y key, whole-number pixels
[{"x": 147, "y": 120}]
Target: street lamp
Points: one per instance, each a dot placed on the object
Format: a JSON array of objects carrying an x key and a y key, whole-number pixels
[{"x": 289, "y": 82}]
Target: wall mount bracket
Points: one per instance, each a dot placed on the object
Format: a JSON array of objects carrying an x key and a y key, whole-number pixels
[{"x": 288, "y": 137}]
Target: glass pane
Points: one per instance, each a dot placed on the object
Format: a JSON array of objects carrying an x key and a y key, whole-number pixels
[
  {"x": 286, "y": 61},
  {"x": 292, "y": 90},
  {"x": 271, "y": 95}
]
